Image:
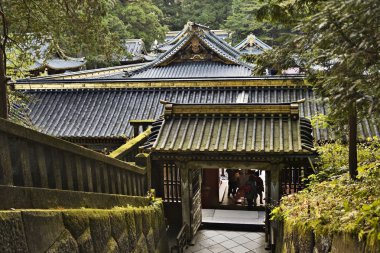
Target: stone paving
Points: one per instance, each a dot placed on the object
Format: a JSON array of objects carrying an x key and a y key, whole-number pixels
[
  {"x": 233, "y": 216},
  {"x": 222, "y": 241}
]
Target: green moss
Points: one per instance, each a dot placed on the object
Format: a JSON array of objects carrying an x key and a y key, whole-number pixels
[
  {"x": 12, "y": 236},
  {"x": 131, "y": 144},
  {"x": 119, "y": 230},
  {"x": 131, "y": 228},
  {"x": 138, "y": 221},
  {"x": 100, "y": 228},
  {"x": 64, "y": 244}
]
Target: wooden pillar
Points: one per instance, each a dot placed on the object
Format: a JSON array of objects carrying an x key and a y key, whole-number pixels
[
  {"x": 275, "y": 184},
  {"x": 185, "y": 193},
  {"x": 274, "y": 199},
  {"x": 148, "y": 173}
]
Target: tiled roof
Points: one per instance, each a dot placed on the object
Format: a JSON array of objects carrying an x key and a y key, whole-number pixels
[
  {"x": 234, "y": 127},
  {"x": 58, "y": 64},
  {"x": 105, "y": 113},
  {"x": 252, "y": 45},
  {"x": 197, "y": 45},
  {"x": 137, "y": 51},
  {"x": 172, "y": 38},
  {"x": 195, "y": 69},
  {"x": 52, "y": 56}
]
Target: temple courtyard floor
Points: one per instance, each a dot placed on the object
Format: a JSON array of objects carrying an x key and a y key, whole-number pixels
[{"x": 223, "y": 241}]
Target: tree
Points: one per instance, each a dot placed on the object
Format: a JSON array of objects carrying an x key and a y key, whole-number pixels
[
  {"x": 211, "y": 13},
  {"x": 337, "y": 44},
  {"x": 30, "y": 24},
  {"x": 94, "y": 29},
  {"x": 142, "y": 20},
  {"x": 172, "y": 13},
  {"x": 244, "y": 20}
]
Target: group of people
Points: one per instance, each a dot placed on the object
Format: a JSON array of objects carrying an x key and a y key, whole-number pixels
[{"x": 239, "y": 186}]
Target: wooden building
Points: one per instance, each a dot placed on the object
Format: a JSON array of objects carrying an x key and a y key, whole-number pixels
[{"x": 215, "y": 114}]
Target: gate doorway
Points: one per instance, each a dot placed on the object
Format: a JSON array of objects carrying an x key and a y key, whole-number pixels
[
  {"x": 223, "y": 188},
  {"x": 195, "y": 140}
]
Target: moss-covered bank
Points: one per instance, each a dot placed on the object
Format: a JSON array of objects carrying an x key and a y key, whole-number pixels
[
  {"x": 124, "y": 229},
  {"x": 335, "y": 213}
]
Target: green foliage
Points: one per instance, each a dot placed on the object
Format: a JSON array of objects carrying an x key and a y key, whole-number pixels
[
  {"x": 334, "y": 203},
  {"x": 211, "y": 13},
  {"x": 94, "y": 29},
  {"x": 337, "y": 44},
  {"x": 172, "y": 11},
  {"x": 320, "y": 120},
  {"x": 244, "y": 20}
]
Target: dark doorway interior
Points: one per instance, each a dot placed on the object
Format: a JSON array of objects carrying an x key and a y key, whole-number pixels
[{"x": 217, "y": 193}]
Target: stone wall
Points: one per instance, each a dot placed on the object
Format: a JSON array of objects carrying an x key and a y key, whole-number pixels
[
  {"x": 127, "y": 229},
  {"x": 292, "y": 238}
]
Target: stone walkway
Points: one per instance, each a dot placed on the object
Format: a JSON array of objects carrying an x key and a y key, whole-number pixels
[
  {"x": 221, "y": 241},
  {"x": 233, "y": 216}
]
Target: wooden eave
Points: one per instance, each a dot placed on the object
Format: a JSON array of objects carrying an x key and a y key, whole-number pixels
[{"x": 274, "y": 81}]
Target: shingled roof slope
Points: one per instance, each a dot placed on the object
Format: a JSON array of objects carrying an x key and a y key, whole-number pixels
[
  {"x": 105, "y": 113},
  {"x": 250, "y": 128}
]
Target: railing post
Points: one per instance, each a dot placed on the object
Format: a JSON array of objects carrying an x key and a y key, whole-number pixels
[
  {"x": 79, "y": 172},
  {"x": 112, "y": 179},
  {"x": 89, "y": 175},
  {"x": 57, "y": 164},
  {"x": 105, "y": 178},
  {"x": 5, "y": 161},
  {"x": 69, "y": 172},
  {"x": 118, "y": 182},
  {"x": 129, "y": 182},
  {"x": 25, "y": 164},
  {"x": 124, "y": 180},
  {"x": 41, "y": 160},
  {"x": 98, "y": 177}
]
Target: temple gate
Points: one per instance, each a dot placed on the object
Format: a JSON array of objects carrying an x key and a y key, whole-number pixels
[{"x": 190, "y": 137}]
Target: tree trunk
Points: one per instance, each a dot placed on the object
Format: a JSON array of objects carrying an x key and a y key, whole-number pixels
[
  {"x": 3, "y": 88},
  {"x": 352, "y": 142}
]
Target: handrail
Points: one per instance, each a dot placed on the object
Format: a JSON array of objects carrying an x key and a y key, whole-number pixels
[
  {"x": 181, "y": 239},
  {"x": 129, "y": 149},
  {"x": 33, "y": 159}
]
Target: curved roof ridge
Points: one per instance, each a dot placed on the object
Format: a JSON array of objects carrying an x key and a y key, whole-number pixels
[{"x": 210, "y": 41}]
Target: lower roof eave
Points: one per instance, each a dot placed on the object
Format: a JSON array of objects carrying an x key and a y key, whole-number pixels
[{"x": 234, "y": 155}]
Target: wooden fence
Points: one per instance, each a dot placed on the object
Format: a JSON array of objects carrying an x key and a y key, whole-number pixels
[{"x": 32, "y": 159}]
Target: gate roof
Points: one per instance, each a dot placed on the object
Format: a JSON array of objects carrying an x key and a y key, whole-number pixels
[{"x": 231, "y": 128}]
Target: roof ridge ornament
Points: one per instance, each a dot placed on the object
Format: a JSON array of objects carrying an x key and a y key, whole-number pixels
[{"x": 251, "y": 39}]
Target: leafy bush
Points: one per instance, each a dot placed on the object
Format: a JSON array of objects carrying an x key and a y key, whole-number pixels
[{"x": 333, "y": 203}]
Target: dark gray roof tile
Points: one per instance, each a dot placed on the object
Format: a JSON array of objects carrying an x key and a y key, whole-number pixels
[{"x": 106, "y": 113}]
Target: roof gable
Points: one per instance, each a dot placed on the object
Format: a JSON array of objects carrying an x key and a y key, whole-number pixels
[
  {"x": 196, "y": 44},
  {"x": 252, "y": 45}
]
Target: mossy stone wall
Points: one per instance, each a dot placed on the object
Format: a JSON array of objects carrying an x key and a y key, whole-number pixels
[
  {"x": 131, "y": 229},
  {"x": 295, "y": 238}
]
